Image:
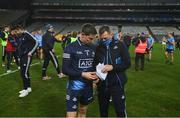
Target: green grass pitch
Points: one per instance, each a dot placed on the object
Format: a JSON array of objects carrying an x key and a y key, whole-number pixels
[{"x": 154, "y": 92}]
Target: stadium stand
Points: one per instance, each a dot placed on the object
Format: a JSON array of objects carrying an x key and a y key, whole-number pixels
[
  {"x": 11, "y": 16},
  {"x": 107, "y": 1},
  {"x": 113, "y": 28},
  {"x": 59, "y": 27},
  {"x": 164, "y": 30},
  {"x": 159, "y": 32},
  {"x": 34, "y": 26},
  {"x": 133, "y": 30},
  {"x": 71, "y": 27},
  {"x": 125, "y": 11}
]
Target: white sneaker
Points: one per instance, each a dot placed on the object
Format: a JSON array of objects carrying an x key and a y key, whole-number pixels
[
  {"x": 23, "y": 94},
  {"x": 21, "y": 91},
  {"x": 28, "y": 89},
  {"x": 3, "y": 65},
  {"x": 8, "y": 71},
  {"x": 61, "y": 75},
  {"x": 46, "y": 78}
]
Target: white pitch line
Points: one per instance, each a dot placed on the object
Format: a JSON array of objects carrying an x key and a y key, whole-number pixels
[
  {"x": 9, "y": 73},
  {"x": 17, "y": 70},
  {"x": 4, "y": 74}
]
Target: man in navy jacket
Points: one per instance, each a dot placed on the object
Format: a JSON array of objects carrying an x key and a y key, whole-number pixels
[
  {"x": 27, "y": 45},
  {"x": 115, "y": 57}
]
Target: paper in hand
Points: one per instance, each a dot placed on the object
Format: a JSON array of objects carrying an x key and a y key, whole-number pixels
[{"x": 99, "y": 72}]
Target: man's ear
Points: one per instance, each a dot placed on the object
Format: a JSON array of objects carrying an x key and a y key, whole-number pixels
[{"x": 111, "y": 35}]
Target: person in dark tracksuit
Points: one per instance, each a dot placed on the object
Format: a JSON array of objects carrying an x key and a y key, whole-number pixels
[
  {"x": 27, "y": 45},
  {"x": 66, "y": 40},
  {"x": 11, "y": 50},
  {"x": 77, "y": 64},
  {"x": 48, "y": 41},
  {"x": 116, "y": 59},
  {"x": 127, "y": 40}
]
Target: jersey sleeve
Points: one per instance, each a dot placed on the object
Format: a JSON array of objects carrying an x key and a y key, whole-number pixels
[{"x": 67, "y": 67}]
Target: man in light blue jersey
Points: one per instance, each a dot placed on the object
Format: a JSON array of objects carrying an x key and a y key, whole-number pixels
[
  {"x": 150, "y": 42},
  {"x": 77, "y": 64},
  {"x": 38, "y": 37},
  {"x": 170, "y": 49}
]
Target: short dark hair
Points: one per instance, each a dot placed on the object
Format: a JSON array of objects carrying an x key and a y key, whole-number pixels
[
  {"x": 74, "y": 34},
  {"x": 49, "y": 26},
  {"x": 103, "y": 29},
  {"x": 89, "y": 29},
  {"x": 19, "y": 27}
]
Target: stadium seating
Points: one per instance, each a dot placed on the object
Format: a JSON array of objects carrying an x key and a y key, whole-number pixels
[
  {"x": 126, "y": 11},
  {"x": 107, "y": 1},
  {"x": 34, "y": 26},
  {"x": 159, "y": 32},
  {"x": 10, "y": 16},
  {"x": 133, "y": 30}
]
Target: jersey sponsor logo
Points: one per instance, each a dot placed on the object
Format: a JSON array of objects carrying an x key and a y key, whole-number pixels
[
  {"x": 115, "y": 47},
  {"x": 74, "y": 99},
  {"x": 87, "y": 52},
  {"x": 79, "y": 52},
  {"x": 74, "y": 107},
  {"x": 66, "y": 55},
  {"x": 67, "y": 97},
  {"x": 85, "y": 63},
  {"x": 93, "y": 54}
]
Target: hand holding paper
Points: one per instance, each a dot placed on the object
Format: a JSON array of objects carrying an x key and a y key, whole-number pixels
[
  {"x": 99, "y": 72},
  {"x": 89, "y": 75}
]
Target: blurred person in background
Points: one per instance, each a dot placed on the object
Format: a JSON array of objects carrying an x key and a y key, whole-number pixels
[
  {"x": 177, "y": 42},
  {"x": 170, "y": 45},
  {"x": 3, "y": 41},
  {"x": 38, "y": 35},
  {"x": 163, "y": 42},
  {"x": 66, "y": 40},
  {"x": 48, "y": 41},
  {"x": 127, "y": 40},
  {"x": 135, "y": 39},
  {"x": 11, "y": 48},
  {"x": 150, "y": 42},
  {"x": 118, "y": 36},
  {"x": 140, "y": 50}
]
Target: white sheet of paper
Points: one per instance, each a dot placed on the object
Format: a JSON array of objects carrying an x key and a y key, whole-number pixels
[{"x": 99, "y": 72}]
